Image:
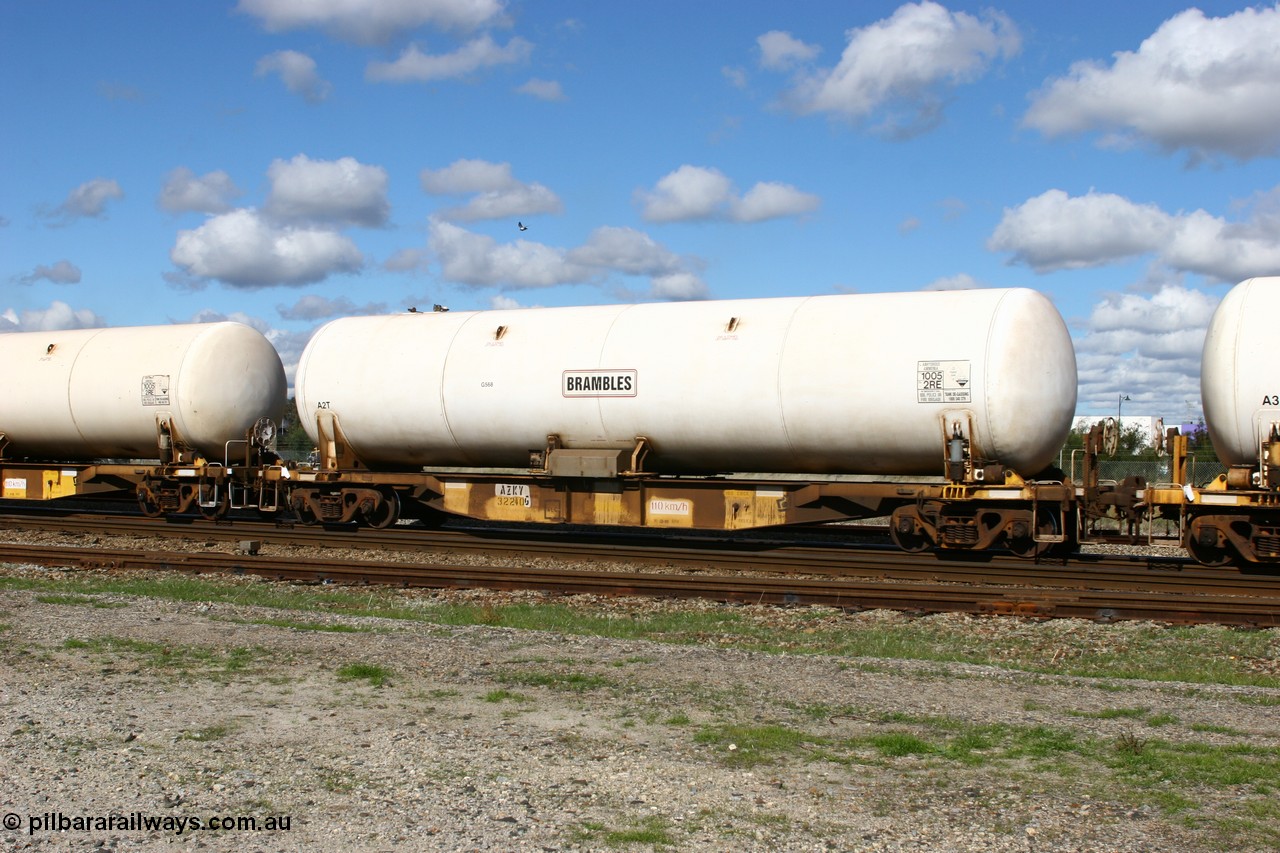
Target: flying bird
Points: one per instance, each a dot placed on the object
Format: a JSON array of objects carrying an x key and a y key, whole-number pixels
[{"x": 522, "y": 226}]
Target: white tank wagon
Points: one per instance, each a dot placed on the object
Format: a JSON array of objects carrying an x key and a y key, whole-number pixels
[
  {"x": 1239, "y": 376},
  {"x": 1234, "y": 516},
  {"x": 865, "y": 384},
  {"x": 135, "y": 392}
]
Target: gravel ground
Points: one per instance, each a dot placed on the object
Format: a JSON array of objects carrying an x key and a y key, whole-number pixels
[{"x": 499, "y": 739}]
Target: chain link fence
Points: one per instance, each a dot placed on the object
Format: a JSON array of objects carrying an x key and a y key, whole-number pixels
[
  {"x": 1201, "y": 468},
  {"x": 295, "y": 451}
]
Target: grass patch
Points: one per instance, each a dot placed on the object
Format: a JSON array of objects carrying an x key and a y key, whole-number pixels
[
  {"x": 1207, "y": 728},
  {"x": 653, "y": 830},
  {"x": 178, "y": 660},
  {"x": 1172, "y": 777},
  {"x": 1113, "y": 713},
  {"x": 747, "y": 746},
  {"x": 899, "y": 744},
  {"x": 1200, "y": 654},
  {"x": 377, "y": 676},
  {"x": 214, "y": 732},
  {"x": 634, "y": 659},
  {"x": 576, "y": 681},
  {"x": 299, "y": 625},
  {"x": 80, "y": 600},
  {"x": 1156, "y": 762},
  {"x": 1239, "y": 782},
  {"x": 945, "y": 740},
  {"x": 496, "y": 696}
]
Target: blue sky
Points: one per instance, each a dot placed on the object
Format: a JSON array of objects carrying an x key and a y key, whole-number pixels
[{"x": 284, "y": 162}]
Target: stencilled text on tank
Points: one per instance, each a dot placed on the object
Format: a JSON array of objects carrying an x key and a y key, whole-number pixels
[
  {"x": 943, "y": 382},
  {"x": 155, "y": 390},
  {"x": 599, "y": 383},
  {"x": 513, "y": 494}
]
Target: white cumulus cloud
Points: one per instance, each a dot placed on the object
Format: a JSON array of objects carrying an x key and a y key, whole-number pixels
[
  {"x": 62, "y": 272},
  {"x": 1226, "y": 251},
  {"x": 468, "y": 176},
  {"x": 496, "y": 193},
  {"x": 184, "y": 192},
  {"x": 780, "y": 51},
  {"x": 543, "y": 90},
  {"x": 414, "y": 66},
  {"x": 406, "y": 261},
  {"x": 678, "y": 286},
  {"x": 477, "y": 260},
  {"x": 504, "y": 303},
  {"x": 298, "y": 73},
  {"x": 1147, "y": 347},
  {"x": 339, "y": 192},
  {"x": 901, "y": 61},
  {"x": 701, "y": 193},
  {"x": 1201, "y": 85},
  {"x": 90, "y": 199},
  {"x": 960, "y": 281},
  {"x": 243, "y": 249},
  {"x": 315, "y": 307},
  {"x": 1055, "y": 231},
  {"x": 372, "y": 21},
  {"x": 58, "y": 316},
  {"x": 770, "y": 200}
]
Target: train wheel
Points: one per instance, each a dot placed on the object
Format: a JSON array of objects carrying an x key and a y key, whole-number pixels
[
  {"x": 907, "y": 537},
  {"x": 1026, "y": 547},
  {"x": 302, "y": 510},
  {"x": 1209, "y": 555},
  {"x": 150, "y": 506},
  {"x": 386, "y": 512}
]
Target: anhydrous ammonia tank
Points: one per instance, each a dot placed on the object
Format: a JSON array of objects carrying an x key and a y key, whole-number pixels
[
  {"x": 97, "y": 393},
  {"x": 1239, "y": 378},
  {"x": 825, "y": 384}
]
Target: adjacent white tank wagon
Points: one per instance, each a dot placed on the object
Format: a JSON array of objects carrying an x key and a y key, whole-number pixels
[
  {"x": 1239, "y": 380},
  {"x": 1234, "y": 515},
  {"x": 864, "y": 384},
  {"x": 943, "y": 412},
  {"x": 124, "y": 392}
]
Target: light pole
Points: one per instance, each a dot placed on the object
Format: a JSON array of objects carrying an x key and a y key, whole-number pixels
[{"x": 1119, "y": 405}]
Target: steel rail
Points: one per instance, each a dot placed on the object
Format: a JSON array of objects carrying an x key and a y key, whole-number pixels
[
  {"x": 1099, "y": 605},
  {"x": 701, "y": 553}
]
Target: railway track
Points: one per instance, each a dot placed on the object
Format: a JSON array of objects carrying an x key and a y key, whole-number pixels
[{"x": 747, "y": 571}]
